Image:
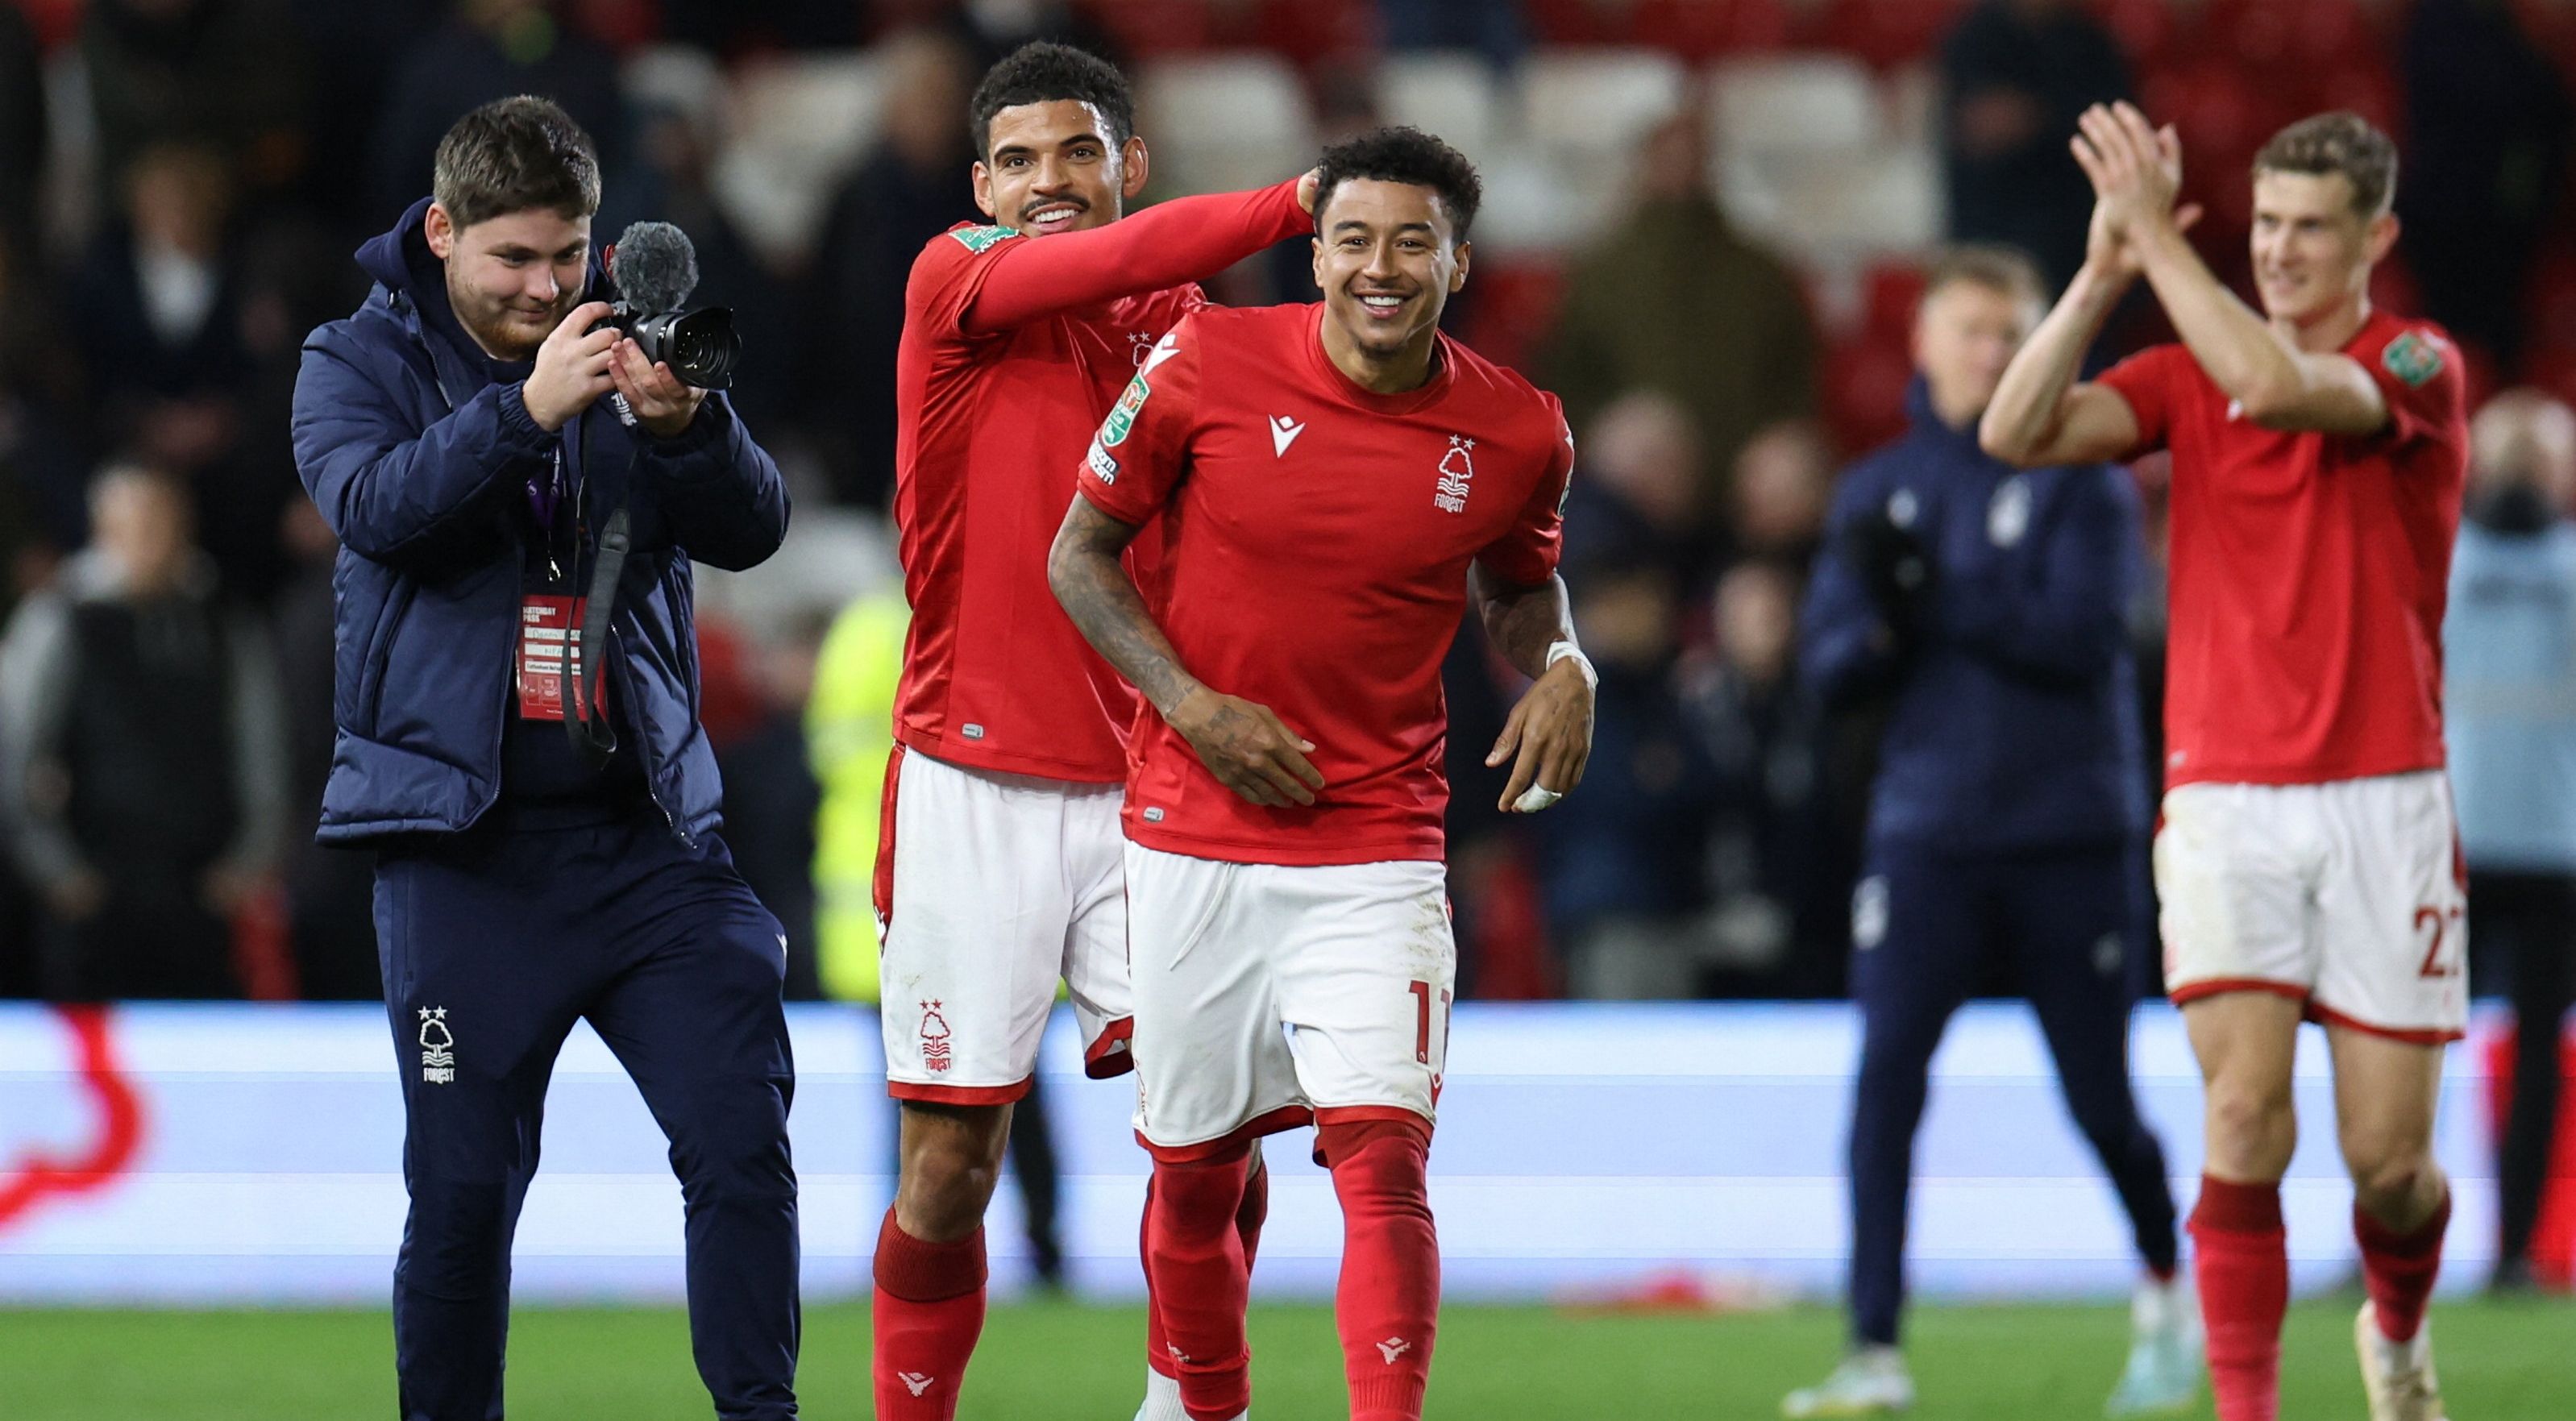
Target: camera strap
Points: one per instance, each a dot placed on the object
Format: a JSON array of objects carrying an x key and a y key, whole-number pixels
[{"x": 586, "y": 719}]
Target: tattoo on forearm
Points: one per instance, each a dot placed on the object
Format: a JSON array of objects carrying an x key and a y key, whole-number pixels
[
  {"x": 1523, "y": 622},
  {"x": 1097, "y": 593}
]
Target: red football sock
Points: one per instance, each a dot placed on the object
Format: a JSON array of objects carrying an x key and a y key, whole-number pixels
[
  {"x": 2398, "y": 1269},
  {"x": 1200, "y": 1283},
  {"x": 1248, "y": 1218},
  {"x": 929, "y": 1311},
  {"x": 2244, "y": 1275},
  {"x": 1388, "y": 1304}
]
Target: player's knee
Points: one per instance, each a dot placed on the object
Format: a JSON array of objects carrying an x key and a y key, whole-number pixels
[
  {"x": 1381, "y": 1161},
  {"x": 737, "y": 1153},
  {"x": 1201, "y": 1195},
  {"x": 947, "y": 1183},
  {"x": 2385, "y": 1180},
  {"x": 458, "y": 1243},
  {"x": 2251, "y": 1130}
]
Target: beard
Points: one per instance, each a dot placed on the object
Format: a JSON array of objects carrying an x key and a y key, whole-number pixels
[{"x": 506, "y": 332}]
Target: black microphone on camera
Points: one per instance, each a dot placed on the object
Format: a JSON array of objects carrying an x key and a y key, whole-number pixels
[{"x": 654, "y": 267}]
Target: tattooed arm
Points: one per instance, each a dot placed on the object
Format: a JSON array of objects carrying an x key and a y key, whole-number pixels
[
  {"x": 1549, "y": 735},
  {"x": 1243, "y": 744}
]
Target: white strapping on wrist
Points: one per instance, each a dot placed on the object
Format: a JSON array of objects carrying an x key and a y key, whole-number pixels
[{"x": 1561, "y": 650}]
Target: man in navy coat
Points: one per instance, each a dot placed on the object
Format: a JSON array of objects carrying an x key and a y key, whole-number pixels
[
  {"x": 455, "y": 435},
  {"x": 1988, "y": 606}
]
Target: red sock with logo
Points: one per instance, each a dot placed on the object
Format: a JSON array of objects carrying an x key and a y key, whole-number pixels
[
  {"x": 1200, "y": 1282},
  {"x": 1248, "y": 1218},
  {"x": 2398, "y": 1269},
  {"x": 1388, "y": 1304},
  {"x": 929, "y": 1311},
  {"x": 2244, "y": 1274}
]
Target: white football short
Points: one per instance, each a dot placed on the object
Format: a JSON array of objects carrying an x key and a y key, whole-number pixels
[
  {"x": 1269, "y": 996},
  {"x": 990, "y": 889},
  {"x": 2346, "y": 895}
]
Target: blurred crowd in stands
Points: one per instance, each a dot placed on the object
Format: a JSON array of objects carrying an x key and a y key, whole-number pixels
[{"x": 1707, "y": 223}]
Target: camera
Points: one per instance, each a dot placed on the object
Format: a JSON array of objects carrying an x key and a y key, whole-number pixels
[
  {"x": 654, "y": 267},
  {"x": 700, "y": 346}
]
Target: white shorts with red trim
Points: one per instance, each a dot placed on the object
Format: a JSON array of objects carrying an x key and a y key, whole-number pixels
[
  {"x": 2346, "y": 895},
  {"x": 1268, "y": 996},
  {"x": 991, "y": 888}
]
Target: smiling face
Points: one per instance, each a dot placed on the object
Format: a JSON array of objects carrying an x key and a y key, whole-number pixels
[
  {"x": 1053, "y": 167},
  {"x": 2312, "y": 247},
  {"x": 513, "y": 278},
  {"x": 1387, "y": 257}
]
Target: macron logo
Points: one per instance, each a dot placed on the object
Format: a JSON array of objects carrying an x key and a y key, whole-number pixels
[
  {"x": 916, "y": 1381},
  {"x": 1393, "y": 1348},
  {"x": 1283, "y": 432}
]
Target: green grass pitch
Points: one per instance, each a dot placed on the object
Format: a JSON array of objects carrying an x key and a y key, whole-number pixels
[{"x": 1045, "y": 1361}]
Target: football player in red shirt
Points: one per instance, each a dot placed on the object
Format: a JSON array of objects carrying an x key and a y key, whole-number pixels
[
  {"x": 999, "y": 866},
  {"x": 2306, "y": 862},
  {"x": 1329, "y": 481}
]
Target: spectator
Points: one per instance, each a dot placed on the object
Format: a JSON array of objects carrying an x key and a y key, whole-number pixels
[
  {"x": 1774, "y": 871},
  {"x": 1676, "y": 300},
  {"x": 157, "y": 314},
  {"x": 2510, "y": 699},
  {"x": 772, "y": 797},
  {"x": 677, "y": 145},
  {"x": 1495, "y": 30},
  {"x": 907, "y": 191},
  {"x": 2015, "y": 75},
  {"x": 493, "y": 49},
  {"x": 143, "y": 765},
  {"x": 222, "y": 72},
  {"x": 2488, "y": 122},
  {"x": 1618, "y": 871},
  {"x": 1784, "y": 480},
  {"x": 41, "y": 471},
  {"x": 1639, "y": 475},
  {"x": 22, "y": 135}
]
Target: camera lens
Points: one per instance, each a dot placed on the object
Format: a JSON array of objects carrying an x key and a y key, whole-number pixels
[{"x": 703, "y": 348}]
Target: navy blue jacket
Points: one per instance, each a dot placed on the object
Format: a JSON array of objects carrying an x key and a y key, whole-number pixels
[
  {"x": 419, "y": 460},
  {"x": 2015, "y": 722}
]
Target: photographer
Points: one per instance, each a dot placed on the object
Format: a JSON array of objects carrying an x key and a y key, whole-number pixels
[
  {"x": 1989, "y": 604},
  {"x": 455, "y": 435}
]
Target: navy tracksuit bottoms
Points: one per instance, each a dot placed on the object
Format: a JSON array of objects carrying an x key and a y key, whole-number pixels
[
  {"x": 1925, "y": 924},
  {"x": 493, "y": 943}
]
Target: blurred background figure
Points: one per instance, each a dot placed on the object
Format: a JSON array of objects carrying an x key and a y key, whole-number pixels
[
  {"x": 2509, "y": 696},
  {"x": 907, "y": 190},
  {"x": 2014, "y": 76},
  {"x": 141, "y": 755},
  {"x": 1774, "y": 867},
  {"x": 492, "y": 49},
  {"x": 2488, "y": 130},
  {"x": 1783, "y": 484},
  {"x": 1677, "y": 300},
  {"x": 1990, "y": 605}
]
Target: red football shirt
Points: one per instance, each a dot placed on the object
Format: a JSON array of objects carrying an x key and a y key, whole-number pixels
[
  {"x": 2308, "y": 570},
  {"x": 1011, "y": 349},
  {"x": 1316, "y": 543}
]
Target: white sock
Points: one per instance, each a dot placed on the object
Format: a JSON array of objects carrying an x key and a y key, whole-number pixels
[{"x": 1162, "y": 1399}]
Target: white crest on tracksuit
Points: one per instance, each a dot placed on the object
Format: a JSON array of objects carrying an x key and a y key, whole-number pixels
[
  {"x": 2008, "y": 513},
  {"x": 437, "y": 1047}
]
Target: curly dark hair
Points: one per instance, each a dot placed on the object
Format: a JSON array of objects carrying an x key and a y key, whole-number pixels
[
  {"x": 1041, "y": 72},
  {"x": 512, "y": 155},
  {"x": 1405, "y": 155}
]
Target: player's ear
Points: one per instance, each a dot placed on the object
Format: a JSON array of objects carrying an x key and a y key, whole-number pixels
[
  {"x": 1133, "y": 165},
  {"x": 1458, "y": 271},
  {"x": 984, "y": 191},
  {"x": 439, "y": 229},
  {"x": 1317, "y": 244},
  {"x": 2380, "y": 236}
]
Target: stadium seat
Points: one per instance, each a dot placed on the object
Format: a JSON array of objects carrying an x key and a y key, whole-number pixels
[
  {"x": 1222, "y": 122},
  {"x": 1864, "y": 391},
  {"x": 1150, "y": 29},
  {"x": 797, "y": 124},
  {"x": 1579, "y": 21},
  {"x": 1887, "y": 33},
  {"x": 1792, "y": 103},
  {"x": 679, "y": 77},
  {"x": 1848, "y": 207},
  {"x": 1890, "y": 290},
  {"x": 1515, "y": 308},
  {"x": 2145, "y": 29},
  {"x": 1593, "y": 105},
  {"x": 1700, "y": 30},
  {"x": 1910, "y": 95},
  {"x": 1455, "y": 95}
]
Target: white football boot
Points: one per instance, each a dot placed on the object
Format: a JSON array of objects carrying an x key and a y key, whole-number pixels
[
  {"x": 2165, "y": 1368},
  {"x": 2398, "y": 1376},
  {"x": 1872, "y": 1381}
]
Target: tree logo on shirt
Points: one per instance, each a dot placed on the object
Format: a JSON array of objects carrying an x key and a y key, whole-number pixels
[
  {"x": 982, "y": 239},
  {"x": 2412, "y": 358},
  {"x": 1457, "y": 473},
  {"x": 1122, "y": 416}
]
